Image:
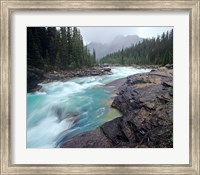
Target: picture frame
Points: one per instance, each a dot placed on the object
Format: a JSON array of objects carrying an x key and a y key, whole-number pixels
[{"x": 7, "y": 7}]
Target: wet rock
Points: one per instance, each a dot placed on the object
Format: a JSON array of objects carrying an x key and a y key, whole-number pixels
[
  {"x": 34, "y": 76},
  {"x": 95, "y": 73},
  {"x": 95, "y": 139},
  {"x": 107, "y": 69},
  {"x": 168, "y": 84},
  {"x": 146, "y": 102},
  {"x": 169, "y": 66}
]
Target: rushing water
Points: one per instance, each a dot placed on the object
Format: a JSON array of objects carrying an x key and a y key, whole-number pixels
[{"x": 65, "y": 109}]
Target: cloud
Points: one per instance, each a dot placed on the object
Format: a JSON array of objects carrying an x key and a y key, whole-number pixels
[{"x": 107, "y": 34}]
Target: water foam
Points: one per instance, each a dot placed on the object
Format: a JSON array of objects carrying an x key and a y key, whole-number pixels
[{"x": 65, "y": 109}]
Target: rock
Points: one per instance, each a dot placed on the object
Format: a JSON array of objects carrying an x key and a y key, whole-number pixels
[
  {"x": 147, "y": 121},
  {"x": 169, "y": 66},
  {"x": 107, "y": 69},
  {"x": 104, "y": 65},
  {"x": 95, "y": 73},
  {"x": 62, "y": 115},
  {"x": 109, "y": 73},
  {"x": 34, "y": 76},
  {"x": 95, "y": 139},
  {"x": 168, "y": 84}
]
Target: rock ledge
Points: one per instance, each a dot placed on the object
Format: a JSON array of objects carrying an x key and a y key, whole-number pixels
[{"x": 146, "y": 102}]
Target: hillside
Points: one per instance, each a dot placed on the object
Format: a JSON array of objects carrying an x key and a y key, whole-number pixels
[{"x": 116, "y": 44}]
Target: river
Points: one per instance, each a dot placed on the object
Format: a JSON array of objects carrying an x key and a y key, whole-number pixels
[{"x": 66, "y": 109}]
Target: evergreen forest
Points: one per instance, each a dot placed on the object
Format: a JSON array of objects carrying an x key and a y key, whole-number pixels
[
  {"x": 62, "y": 48},
  {"x": 154, "y": 51},
  {"x": 51, "y": 48}
]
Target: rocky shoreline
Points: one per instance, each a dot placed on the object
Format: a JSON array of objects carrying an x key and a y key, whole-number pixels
[
  {"x": 36, "y": 76},
  {"x": 146, "y": 102}
]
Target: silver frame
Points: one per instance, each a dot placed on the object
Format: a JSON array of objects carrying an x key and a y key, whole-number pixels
[{"x": 8, "y": 6}]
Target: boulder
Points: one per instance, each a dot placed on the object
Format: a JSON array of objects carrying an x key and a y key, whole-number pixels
[
  {"x": 169, "y": 66},
  {"x": 95, "y": 73},
  {"x": 34, "y": 76},
  {"x": 107, "y": 69}
]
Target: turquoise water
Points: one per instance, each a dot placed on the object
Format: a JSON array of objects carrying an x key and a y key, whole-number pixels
[{"x": 66, "y": 109}]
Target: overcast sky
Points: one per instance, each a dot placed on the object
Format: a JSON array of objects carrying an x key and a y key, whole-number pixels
[{"x": 107, "y": 34}]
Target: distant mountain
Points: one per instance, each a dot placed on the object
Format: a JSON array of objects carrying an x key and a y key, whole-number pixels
[{"x": 116, "y": 44}]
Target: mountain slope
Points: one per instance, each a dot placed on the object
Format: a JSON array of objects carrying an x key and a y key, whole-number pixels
[{"x": 116, "y": 44}]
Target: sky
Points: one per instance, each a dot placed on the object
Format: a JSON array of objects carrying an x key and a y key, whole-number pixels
[{"x": 107, "y": 34}]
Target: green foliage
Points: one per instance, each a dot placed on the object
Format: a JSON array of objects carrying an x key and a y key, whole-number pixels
[
  {"x": 49, "y": 48},
  {"x": 33, "y": 48},
  {"x": 157, "y": 51}
]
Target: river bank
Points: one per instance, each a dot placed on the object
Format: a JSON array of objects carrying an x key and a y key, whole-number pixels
[
  {"x": 146, "y": 103},
  {"x": 62, "y": 110},
  {"x": 36, "y": 76}
]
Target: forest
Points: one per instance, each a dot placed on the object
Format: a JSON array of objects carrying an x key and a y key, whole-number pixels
[
  {"x": 154, "y": 51},
  {"x": 62, "y": 48},
  {"x": 51, "y": 48}
]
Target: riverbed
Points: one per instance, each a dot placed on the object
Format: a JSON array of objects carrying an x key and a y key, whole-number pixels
[{"x": 65, "y": 109}]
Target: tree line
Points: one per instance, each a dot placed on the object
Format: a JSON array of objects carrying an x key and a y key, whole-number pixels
[
  {"x": 157, "y": 51},
  {"x": 52, "y": 48}
]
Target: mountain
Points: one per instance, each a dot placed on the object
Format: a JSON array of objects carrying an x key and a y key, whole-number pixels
[{"x": 116, "y": 44}]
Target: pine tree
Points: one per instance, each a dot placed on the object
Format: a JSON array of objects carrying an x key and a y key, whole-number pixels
[
  {"x": 49, "y": 48},
  {"x": 51, "y": 37},
  {"x": 69, "y": 46},
  {"x": 33, "y": 54},
  {"x": 63, "y": 48},
  {"x": 122, "y": 56},
  {"x": 75, "y": 48},
  {"x": 150, "y": 51},
  {"x": 94, "y": 56}
]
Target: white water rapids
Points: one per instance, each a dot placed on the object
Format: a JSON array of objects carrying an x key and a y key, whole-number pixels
[{"x": 66, "y": 109}]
